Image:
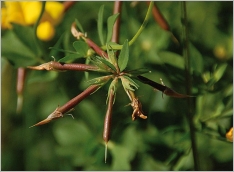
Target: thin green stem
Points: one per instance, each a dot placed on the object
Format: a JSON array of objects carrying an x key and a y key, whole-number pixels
[
  {"x": 148, "y": 14},
  {"x": 188, "y": 86},
  {"x": 36, "y": 25}
]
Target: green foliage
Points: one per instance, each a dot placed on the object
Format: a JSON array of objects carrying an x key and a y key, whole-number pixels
[
  {"x": 100, "y": 24},
  {"x": 110, "y": 24},
  {"x": 123, "y": 56},
  {"x": 160, "y": 142}
]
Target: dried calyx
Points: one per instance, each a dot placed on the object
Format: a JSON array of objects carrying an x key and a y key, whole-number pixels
[{"x": 136, "y": 105}]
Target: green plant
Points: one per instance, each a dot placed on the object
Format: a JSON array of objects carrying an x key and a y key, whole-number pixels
[{"x": 106, "y": 65}]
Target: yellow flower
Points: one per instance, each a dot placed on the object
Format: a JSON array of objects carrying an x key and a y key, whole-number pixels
[
  {"x": 27, "y": 13},
  {"x": 12, "y": 12},
  {"x": 229, "y": 135},
  {"x": 45, "y": 31},
  {"x": 31, "y": 11}
]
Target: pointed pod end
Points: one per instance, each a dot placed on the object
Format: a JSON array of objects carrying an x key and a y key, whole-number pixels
[
  {"x": 45, "y": 121},
  {"x": 106, "y": 146},
  {"x": 35, "y": 67},
  {"x": 44, "y": 66},
  {"x": 172, "y": 93}
]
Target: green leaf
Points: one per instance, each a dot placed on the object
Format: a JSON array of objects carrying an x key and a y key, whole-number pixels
[
  {"x": 42, "y": 76},
  {"x": 16, "y": 52},
  {"x": 103, "y": 67},
  {"x": 63, "y": 130},
  {"x": 196, "y": 59},
  {"x": 173, "y": 59},
  {"x": 137, "y": 72},
  {"x": 110, "y": 24},
  {"x": 220, "y": 72},
  {"x": 113, "y": 86},
  {"x": 27, "y": 40},
  {"x": 79, "y": 25},
  {"x": 111, "y": 55},
  {"x": 107, "y": 63},
  {"x": 123, "y": 56},
  {"x": 99, "y": 80},
  {"x": 70, "y": 57},
  {"x": 100, "y": 24},
  {"x": 62, "y": 50},
  {"x": 81, "y": 47},
  {"x": 121, "y": 157},
  {"x": 128, "y": 83},
  {"x": 217, "y": 75},
  {"x": 54, "y": 51}
]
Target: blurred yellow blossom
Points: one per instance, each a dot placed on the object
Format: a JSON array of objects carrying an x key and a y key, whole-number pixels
[
  {"x": 31, "y": 11},
  {"x": 45, "y": 31},
  {"x": 27, "y": 13}
]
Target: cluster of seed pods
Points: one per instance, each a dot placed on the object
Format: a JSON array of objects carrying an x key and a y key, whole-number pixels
[{"x": 135, "y": 102}]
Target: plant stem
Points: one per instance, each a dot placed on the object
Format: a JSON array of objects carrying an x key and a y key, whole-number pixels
[
  {"x": 36, "y": 25},
  {"x": 96, "y": 48},
  {"x": 119, "y": 47},
  {"x": 188, "y": 86},
  {"x": 53, "y": 65},
  {"x": 107, "y": 121},
  {"x": 21, "y": 74},
  {"x": 158, "y": 17},
  {"x": 117, "y": 9},
  {"x": 143, "y": 24},
  {"x": 68, "y": 4}
]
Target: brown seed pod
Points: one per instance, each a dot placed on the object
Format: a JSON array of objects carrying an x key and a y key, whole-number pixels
[
  {"x": 58, "y": 113},
  {"x": 54, "y": 115},
  {"x": 164, "y": 89},
  {"x": 53, "y": 65},
  {"x": 107, "y": 121}
]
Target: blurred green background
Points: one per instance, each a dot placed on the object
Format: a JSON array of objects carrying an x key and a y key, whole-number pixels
[{"x": 162, "y": 141}]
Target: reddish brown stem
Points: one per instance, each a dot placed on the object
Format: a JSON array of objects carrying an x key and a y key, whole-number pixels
[
  {"x": 68, "y": 4},
  {"x": 107, "y": 121},
  {"x": 77, "y": 34},
  {"x": 73, "y": 66},
  {"x": 96, "y": 48},
  {"x": 20, "y": 80},
  {"x": 59, "y": 111},
  {"x": 166, "y": 90},
  {"x": 21, "y": 75},
  {"x": 117, "y": 9},
  {"x": 53, "y": 65},
  {"x": 159, "y": 18},
  {"x": 73, "y": 102}
]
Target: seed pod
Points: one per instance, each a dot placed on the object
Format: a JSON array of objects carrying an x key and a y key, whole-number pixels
[
  {"x": 54, "y": 115},
  {"x": 107, "y": 121},
  {"x": 58, "y": 113},
  {"x": 166, "y": 90},
  {"x": 53, "y": 65},
  {"x": 73, "y": 102},
  {"x": 20, "y": 88},
  {"x": 159, "y": 18}
]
